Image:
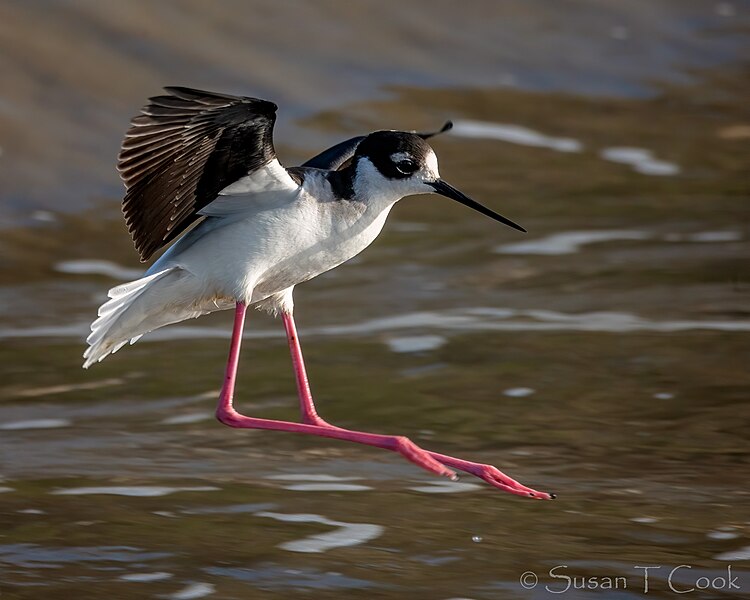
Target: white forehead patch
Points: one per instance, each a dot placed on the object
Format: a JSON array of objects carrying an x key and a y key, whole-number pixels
[{"x": 431, "y": 163}]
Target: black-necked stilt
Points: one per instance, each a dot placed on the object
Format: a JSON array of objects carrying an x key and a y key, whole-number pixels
[{"x": 201, "y": 156}]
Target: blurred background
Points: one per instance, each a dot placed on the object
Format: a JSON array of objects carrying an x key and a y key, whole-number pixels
[{"x": 603, "y": 356}]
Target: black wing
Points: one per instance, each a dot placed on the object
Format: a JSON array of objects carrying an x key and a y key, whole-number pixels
[
  {"x": 337, "y": 155},
  {"x": 181, "y": 152}
]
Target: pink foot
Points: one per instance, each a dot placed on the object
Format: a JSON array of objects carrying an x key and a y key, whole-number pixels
[{"x": 493, "y": 476}]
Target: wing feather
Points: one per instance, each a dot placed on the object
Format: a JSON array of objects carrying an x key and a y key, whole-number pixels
[
  {"x": 335, "y": 156},
  {"x": 181, "y": 151}
]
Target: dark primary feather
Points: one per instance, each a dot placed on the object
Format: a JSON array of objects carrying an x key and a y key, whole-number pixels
[{"x": 181, "y": 152}]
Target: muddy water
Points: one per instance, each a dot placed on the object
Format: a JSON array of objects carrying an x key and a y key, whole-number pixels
[{"x": 602, "y": 356}]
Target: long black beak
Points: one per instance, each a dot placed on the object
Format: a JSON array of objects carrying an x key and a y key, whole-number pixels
[{"x": 447, "y": 190}]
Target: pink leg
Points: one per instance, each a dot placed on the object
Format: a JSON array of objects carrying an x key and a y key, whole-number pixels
[
  {"x": 226, "y": 413},
  {"x": 306, "y": 404},
  {"x": 315, "y": 425}
]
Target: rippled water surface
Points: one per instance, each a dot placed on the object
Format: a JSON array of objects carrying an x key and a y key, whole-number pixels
[{"x": 603, "y": 356}]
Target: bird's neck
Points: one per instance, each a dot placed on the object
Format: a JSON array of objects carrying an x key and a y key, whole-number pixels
[
  {"x": 342, "y": 182},
  {"x": 360, "y": 181},
  {"x": 371, "y": 187}
]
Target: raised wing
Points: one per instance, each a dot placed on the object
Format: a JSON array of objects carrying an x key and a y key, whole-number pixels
[
  {"x": 333, "y": 158},
  {"x": 181, "y": 152}
]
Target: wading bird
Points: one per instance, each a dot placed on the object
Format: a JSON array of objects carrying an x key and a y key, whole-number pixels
[{"x": 206, "y": 159}]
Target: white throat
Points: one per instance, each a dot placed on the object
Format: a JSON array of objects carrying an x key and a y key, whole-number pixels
[{"x": 372, "y": 187}]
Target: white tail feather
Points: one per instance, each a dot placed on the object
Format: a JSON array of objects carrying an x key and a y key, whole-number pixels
[{"x": 141, "y": 306}]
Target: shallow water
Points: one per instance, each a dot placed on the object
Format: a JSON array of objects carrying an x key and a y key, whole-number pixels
[{"x": 603, "y": 356}]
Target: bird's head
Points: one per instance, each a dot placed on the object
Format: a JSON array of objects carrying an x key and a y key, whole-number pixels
[{"x": 393, "y": 164}]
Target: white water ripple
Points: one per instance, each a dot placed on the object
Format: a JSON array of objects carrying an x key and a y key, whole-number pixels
[
  {"x": 188, "y": 418},
  {"x": 519, "y": 392},
  {"x": 735, "y": 555},
  {"x": 319, "y": 482},
  {"x": 415, "y": 343},
  {"x": 514, "y": 134},
  {"x": 98, "y": 267},
  {"x": 145, "y": 491},
  {"x": 641, "y": 160},
  {"x": 345, "y": 534},
  {"x": 193, "y": 591},
  {"x": 570, "y": 242},
  {"x": 326, "y": 487},
  {"x": 311, "y": 477},
  {"x": 467, "y": 319},
  {"x": 145, "y": 577},
  {"x": 446, "y": 487},
  {"x": 35, "y": 424}
]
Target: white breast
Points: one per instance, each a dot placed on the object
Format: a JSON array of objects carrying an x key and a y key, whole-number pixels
[
  {"x": 275, "y": 241},
  {"x": 314, "y": 237}
]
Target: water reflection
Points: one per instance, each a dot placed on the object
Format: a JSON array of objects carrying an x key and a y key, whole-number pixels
[
  {"x": 570, "y": 242},
  {"x": 319, "y": 482},
  {"x": 345, "y": 534},
  {"x": 98, "y": 267},
  {"x": 446, "y": 487},
  {"x": 273, "y": 577},
  {"x": 514, "y": 134},
  {"x": 480, "y": 318},
  {"x": 415, "y": 343},
  {"x": 146, "y": 577},
  {"x": 35, "y": 556},
  {"x": 193, "y": 591},
  {"x": 641, "y": 159},
  {"x": 144, "y": 491},
  {"x": 35, "y": 424}
]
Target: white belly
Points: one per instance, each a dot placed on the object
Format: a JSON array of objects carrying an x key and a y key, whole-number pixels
[{"x": 267, "y": 250}]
